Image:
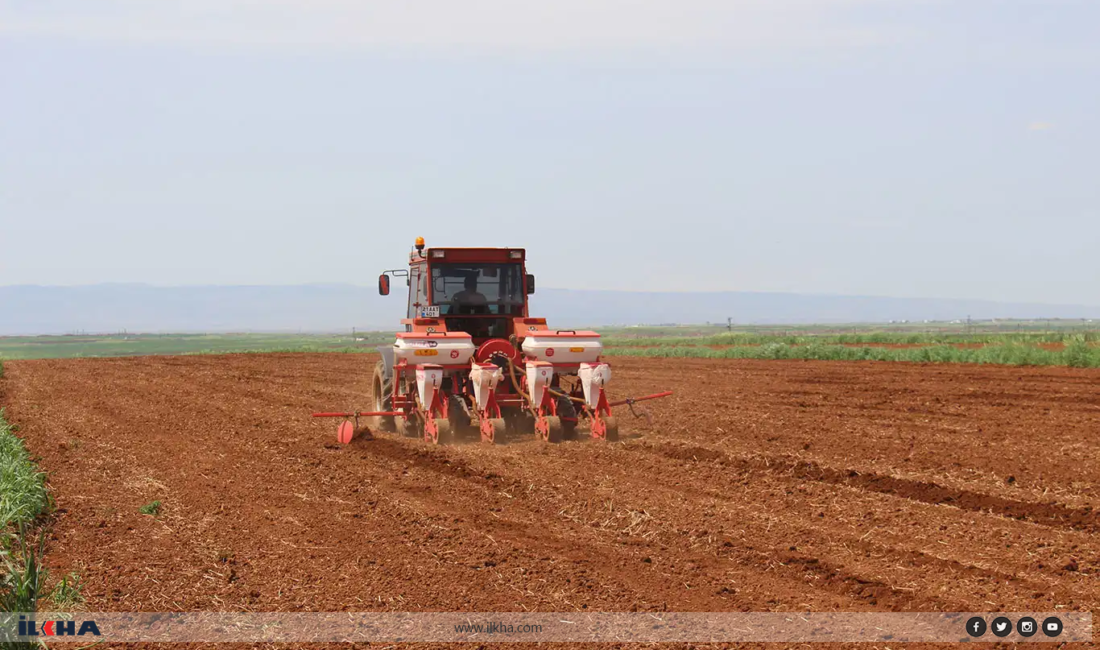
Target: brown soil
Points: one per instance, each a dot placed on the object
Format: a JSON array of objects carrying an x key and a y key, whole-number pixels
[{"x": 760, "y": 486}]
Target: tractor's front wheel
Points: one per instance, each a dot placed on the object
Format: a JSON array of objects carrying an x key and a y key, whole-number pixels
[{"x": 382, "y": 387}]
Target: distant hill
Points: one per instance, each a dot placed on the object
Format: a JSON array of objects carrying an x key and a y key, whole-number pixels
[{"x": 29, "y": 309}]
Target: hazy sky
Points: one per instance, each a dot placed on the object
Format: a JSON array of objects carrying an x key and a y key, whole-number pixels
[{"x": 888, "y": 147}]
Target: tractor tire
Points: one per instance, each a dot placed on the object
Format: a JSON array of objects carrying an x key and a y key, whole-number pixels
[
  {"x": 382, "y": 387},
  {"x": 567, "y": 411}
]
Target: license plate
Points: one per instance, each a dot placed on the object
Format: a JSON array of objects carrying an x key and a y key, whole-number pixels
[{"x": 426, "y": 353}]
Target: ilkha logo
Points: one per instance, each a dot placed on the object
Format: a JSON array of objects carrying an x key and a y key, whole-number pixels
[{"x": 56, "y": 628}]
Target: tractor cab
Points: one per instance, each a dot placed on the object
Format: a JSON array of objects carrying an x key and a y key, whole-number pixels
[{"x": 480, "y": 291}]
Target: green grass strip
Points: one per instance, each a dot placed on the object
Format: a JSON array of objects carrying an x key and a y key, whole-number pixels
[
  {"x": 23, "y": 494},
  {"x": 117, "y": 345},
  {"x": 861, "y": 338},
  {"x": 1077, "y": 353},
  {"x": 23, "y": 497}
]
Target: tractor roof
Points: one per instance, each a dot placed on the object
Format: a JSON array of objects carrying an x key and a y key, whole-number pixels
[{"x": 489, "y": 255}]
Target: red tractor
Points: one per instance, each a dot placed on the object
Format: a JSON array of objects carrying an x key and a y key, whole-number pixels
[{"x": 471, "y": 358}]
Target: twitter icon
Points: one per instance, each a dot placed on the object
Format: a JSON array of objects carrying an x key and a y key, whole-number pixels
[{"x": 1001, "y": 626}]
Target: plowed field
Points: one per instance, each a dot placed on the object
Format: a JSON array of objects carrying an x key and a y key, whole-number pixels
[{"x": 760, "y": 486}]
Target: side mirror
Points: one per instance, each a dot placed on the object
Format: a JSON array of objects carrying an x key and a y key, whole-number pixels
[
  {"x": 383, "y": 285},
  {"x": 530, "y": 284}
]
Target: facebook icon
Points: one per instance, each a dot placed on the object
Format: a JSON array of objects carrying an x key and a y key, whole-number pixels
[{"x": 975, "y": 626}]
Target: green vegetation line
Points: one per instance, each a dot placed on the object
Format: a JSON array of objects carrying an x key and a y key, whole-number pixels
[
  {"x": 23, "y": 494},
  {"x": 1009, "y": 347},
  {"x": 1077, "y": 353},
  {"x": 864, "y": 338},
  {"x": 23, "y": 498},
  {"x": 128, "y": 345}
]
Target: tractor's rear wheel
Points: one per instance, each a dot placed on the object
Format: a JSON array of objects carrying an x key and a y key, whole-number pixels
[{"x": 382, "y": 388}]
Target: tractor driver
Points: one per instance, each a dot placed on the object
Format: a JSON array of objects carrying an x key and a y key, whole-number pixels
[{"x": 469, "y": 301}]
